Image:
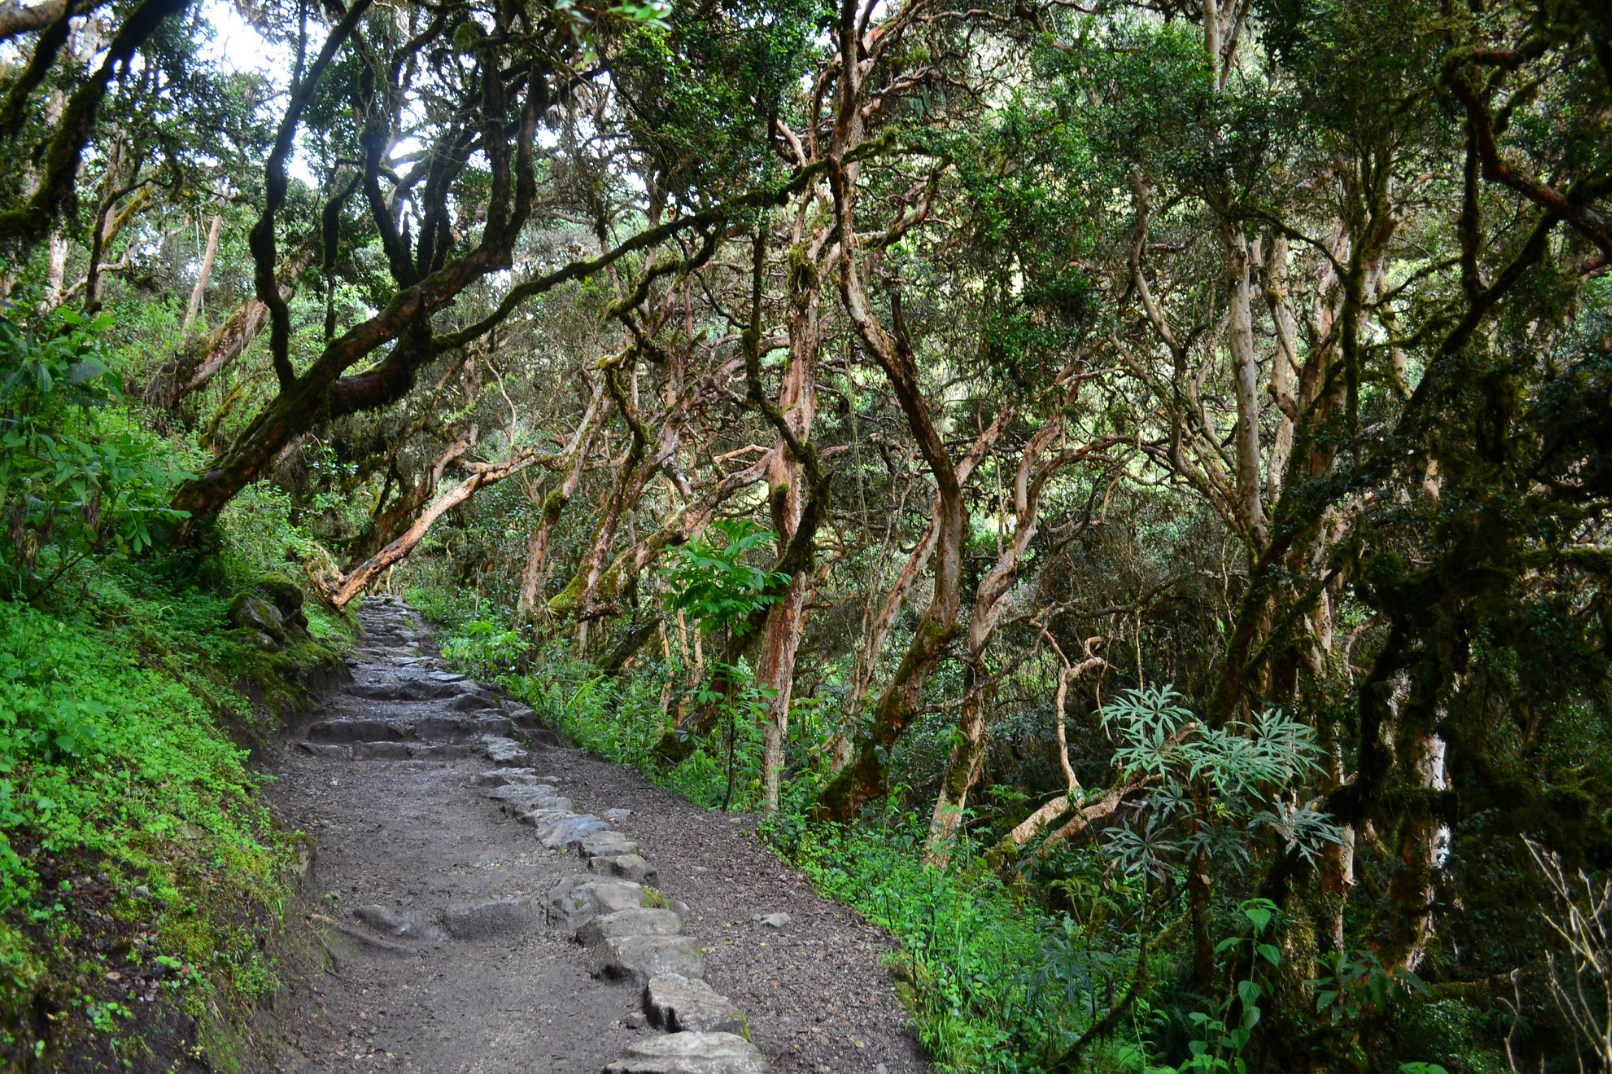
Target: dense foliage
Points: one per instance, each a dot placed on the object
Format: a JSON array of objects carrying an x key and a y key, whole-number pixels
[{"x": 1123, "y": 486}]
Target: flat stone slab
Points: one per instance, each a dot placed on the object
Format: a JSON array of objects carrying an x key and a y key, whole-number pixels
[
  {"x": 441, "y": 751},
  {"x": 691, "y": 1053},
  {"x": 356, "y": 731},
  {"x": 499, "y": 777},
  {"x": 527, "y": 795},
  {"x": 411, "y": 689},
  {"x": 548, "y": 814},
  {"x": 503, "y": 750},
  {"x": 332, "y": 750},
  {"x": 601, "y": 843},
  {"x": 560, "y": 833},
  {"x": 393, "y": 922},
  {"x": 638, "y": 958},
  {"x": 554, "y": 808},
  {"x": 475, "y": 702},
  {"x": 620, "y": 923},
  {"x": 680, "y": 1005},
  {"x": 616, "y": 816},
  {"x": 381, "y": 751},
  {"x": 486, "y": 920},
  {"x": 461, "y": 728},
  {"x": 624, "y": 866},
  {"x": 578, "y": 899}
]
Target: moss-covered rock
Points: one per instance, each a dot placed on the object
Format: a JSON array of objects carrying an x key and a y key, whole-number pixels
[
  {"x": 285, "y": 593},
  {"x": 248, "y": 611},
  {"x": 288, "y": 599}
]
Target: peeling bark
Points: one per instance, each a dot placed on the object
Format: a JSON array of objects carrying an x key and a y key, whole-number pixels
[
  {"x": 968, "y": 755},
  {"x": 865, "y": 778},
  {"x": 205, "y": 274}
]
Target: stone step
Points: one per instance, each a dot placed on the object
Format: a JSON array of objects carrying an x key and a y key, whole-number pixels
[
  {"x": 514, "y": 776},
  {"x": 458, "y": 728},
  {"x": 413, "y": 751},
  {"x": 442, "y": 728},
  {"x": 679, "y": 1004},
  {"x": 391, "y": 751},
  {"x": 578, "y": 899},
  {"x": 415, "y": 689},
  {"x": 638, "y": 958},
  {"x": 504, "y": 751},
  {"x": 525, "y": 796},
  {"x": 561, "y": 832},
  {"x": 490, "y": 919},
  {"x": 545, "y": 815},
  {"x": 691, "y": 1053},
  {"x": 402, "y": 924},
  {"x": 356, "y": 731},
  {"x": 624, "y": 867},
  {"x": 622, "y": 923},
  {"x": 601, "y": 845}
]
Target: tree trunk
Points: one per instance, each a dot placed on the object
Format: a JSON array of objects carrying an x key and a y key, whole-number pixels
[
  {"x": 55, "y": 270},
  {"x": 1030, "y": 478},
  {"x": 968, "y": 755},
  {"x": 796, "y": 410},
  {"x": 572, "y": 462},
  {"x": 1245, "y": 371},
  {"x": 682, "y": 526},
  {"x": 1423, "y": 846},
  {"x": 199, "y": 292},
  {"x": 1284, "y": 363},
  {"x": 865, "y": 778},
  {"x": 389, "y": 521},
  {"x": 359, "y": 578},
  {"x": 102, "y": 230},
  {"x": 878, "y": 631}
]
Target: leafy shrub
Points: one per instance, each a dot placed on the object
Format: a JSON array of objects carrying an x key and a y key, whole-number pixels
[
  {"x": 256, "y": 535},
  {"x": 98, "y": 752},
  {"x": 78, "y": 475},
  {"x": 485, "y": 650},
  {"x": 1246, "y": 769},
  {"x": 709, "y": 579}
]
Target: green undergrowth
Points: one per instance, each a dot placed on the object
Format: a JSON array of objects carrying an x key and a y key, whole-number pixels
[
  {"x": 140, "y": 872},
  {"x": 994, "y": 982}
]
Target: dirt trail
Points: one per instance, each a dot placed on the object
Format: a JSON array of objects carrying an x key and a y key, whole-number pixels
[{"x": 450, "y": 953}]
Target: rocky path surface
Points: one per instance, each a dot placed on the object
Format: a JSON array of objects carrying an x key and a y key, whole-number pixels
[{"x": 492, "y": 903}]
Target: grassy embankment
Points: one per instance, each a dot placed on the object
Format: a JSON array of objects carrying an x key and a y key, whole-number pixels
[{"x": 142, "y": 879}]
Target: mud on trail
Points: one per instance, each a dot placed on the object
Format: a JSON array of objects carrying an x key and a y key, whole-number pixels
[{"x": 452, "y": 930}]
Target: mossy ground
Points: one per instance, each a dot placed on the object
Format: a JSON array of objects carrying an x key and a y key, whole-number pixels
[{"x": 142, "y": 880}]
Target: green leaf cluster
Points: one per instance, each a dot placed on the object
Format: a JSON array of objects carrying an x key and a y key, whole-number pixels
[
  {"x": 78, "y": 476},
  {"x": 1212, "y": 788},
  {"x": 710, "y": 581}
]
